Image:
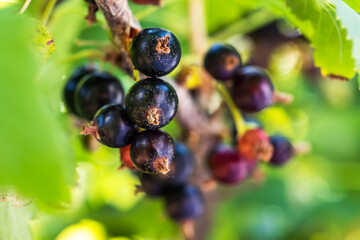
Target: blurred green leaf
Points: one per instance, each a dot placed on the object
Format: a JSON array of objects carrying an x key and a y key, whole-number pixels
[
  {"x": 42, "y": 39},
  {"x": 354, "y": 4},
  {"x": 35, "y": 156},
  {"x": 14, "y": 222}
]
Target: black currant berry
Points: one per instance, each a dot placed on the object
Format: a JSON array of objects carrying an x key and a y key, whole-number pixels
[
  {"x": 151, "y": 103},
  {"x": 252, "y": 90},
  {"x": 152, "y": 151},
  {"x": 155, "y": 52},
  {"x": 95, "y": 91},
  {"x": 181, "y": 167},
  {"x": 151, "y": 185},
  {"x": 112, "y": 127},
  {"x": 283, "y": 150},
  {"x": 227, "y": 165},
  {"x": 71, "y": 84},
  {"x": 222, "y": 60},
  {"x": 184, "y": 202}
]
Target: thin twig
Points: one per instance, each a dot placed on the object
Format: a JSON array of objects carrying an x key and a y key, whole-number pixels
[
  {"x": 47, "y": 12},
  {"x": 238, "y": 119},
  {"x": 24, "y": 6}
]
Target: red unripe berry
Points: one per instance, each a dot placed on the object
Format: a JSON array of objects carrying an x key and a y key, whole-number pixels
[
  {"x": 147, "y": 2},
  {"x": 255, "y": 145},
  {"x": 125, "y": 158},
  {"x": 228, "y": 166}
]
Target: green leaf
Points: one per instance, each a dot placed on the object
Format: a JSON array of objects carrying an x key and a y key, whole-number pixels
[
  {"x": 354, "y": 4},
  {"x": 35, "y": 157},
  {"x": 14, "y": 222},
  {"x": 350, "y": 20},
  {"x": 41, "y": 38},
  {"x": 333, "y": 51}
]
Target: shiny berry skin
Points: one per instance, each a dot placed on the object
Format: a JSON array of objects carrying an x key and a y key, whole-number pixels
[
  {"x": 227, "y": 165},
  {"x": 255, "y": 145},
  {"x": 184, "y": 202},
  {"x": 151, "y": 103},
  {"x": 252, "y": 89},
  {"x": 155, "y": 52},
  {"x": 95, "y": 91},
  {"x": 125, "y": 158},
  {"x": 181, "y": 167},
  {"x": 221, "y": 61},
  {"x": 113, "y": 127},
  {"x": 152, "y": 151},
  {"x": 70, "y": 86},
  {"x": 283, "y": 150}
]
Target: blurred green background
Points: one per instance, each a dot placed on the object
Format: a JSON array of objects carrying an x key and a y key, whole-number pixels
[{"x": 77, "y": 193}]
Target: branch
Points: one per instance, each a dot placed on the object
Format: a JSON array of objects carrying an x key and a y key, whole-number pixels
[{"x": 124, "y": 26}]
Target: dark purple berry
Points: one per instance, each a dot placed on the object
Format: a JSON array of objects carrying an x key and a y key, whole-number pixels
[
  {"x": 151, "y": 103},
  {"x": 155, "y": 52},
  {"x": 283, "y": 150},
  {"x": 184, "y": 202},
  {"x": 252, "y": 90},
  {"x": 152, "y": 151},
  {"x": 222, "y": 60},
  {"x": 227, "y": 165},
  {"x": 95, "y": 91},
  {"x": 151, "y": 185},
  {"x": 181, "y": 167},
  {"x": 112, "y": 127},
  {"x": 70, "y": 86}
]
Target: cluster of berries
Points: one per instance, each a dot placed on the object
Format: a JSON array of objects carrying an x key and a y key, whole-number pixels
[
  {"x": 150, "y": 104},
  {"x": 251, "y": 90}
]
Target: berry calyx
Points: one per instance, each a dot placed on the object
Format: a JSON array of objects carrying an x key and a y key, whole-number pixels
[
  {"x": 184, "y": 202},
  {"x": 70, "y": 86},
  {"x": 222, "y": 60},
  {"x": 254, "y": 145},
  {"x": 96, "y": 90},
  {"x": 283, "y": 150},
  {"x": 152, "y": 151},
  {"x": 227, "y": 165},
  {"x": 252, "y": 89},
  {"x": 112, "y": 127},
  {"x": 155, "y": 52},
  {"x": 151, "y": 103},
  {"x": 181, "y": 168}
]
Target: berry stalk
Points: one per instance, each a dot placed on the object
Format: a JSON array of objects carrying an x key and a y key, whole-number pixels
[{"x": 238, "y": 119}]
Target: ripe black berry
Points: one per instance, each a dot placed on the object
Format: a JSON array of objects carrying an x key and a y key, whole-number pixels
[
  {"x": 252, "y": 90},
  {"x": 222, "y": 60},
  {"x": 96, "y": 90},
  {"x": 112, "y": 127},
  {"x": 155, "y": 52},
  {"x": 184, "y": 202},
  {"x": 71, "y": 84},
  {"x": 151, "y": 103},
  {"x": 151, "y": 185},
  {"x": 181, "y": 167},
  {"x": 227, "y": 165},
  {"x": 283, "y": 150},
  {"x": 152, "y": 151}
]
